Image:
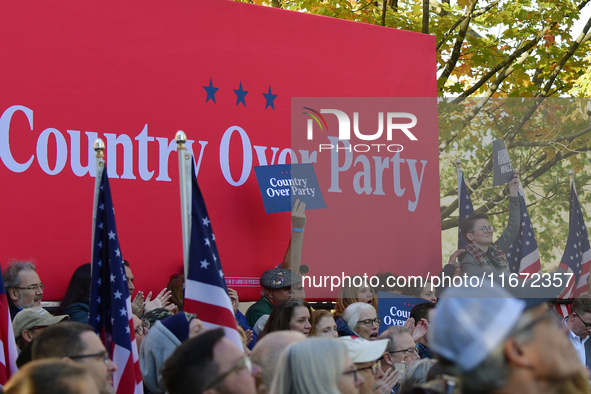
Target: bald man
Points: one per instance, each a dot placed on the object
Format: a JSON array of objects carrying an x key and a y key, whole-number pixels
[{"x": 266, "y": 355}]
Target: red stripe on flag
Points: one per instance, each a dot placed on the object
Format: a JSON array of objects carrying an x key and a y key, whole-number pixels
[
  {"x": 7, "y": 336},
  {"x": 535, "y": 268},
  {"x": 128, "y": 382},
  {"x": 211, "y": 313}
]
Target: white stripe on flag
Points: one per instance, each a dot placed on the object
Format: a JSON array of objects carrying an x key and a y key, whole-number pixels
[
  {"x": 231, "y": 333},
  {"x": 529, "y": 260},
  {"x": 134, "y": 350},
  {"x": 12, "y": 351},
  {"x": 2, "y": 358},
  {"x": 139, "y": 388},
  {"x": 128, "y": 306},
  {"x": 208, "y": 294},
  {"x": 120, "y": 358}
]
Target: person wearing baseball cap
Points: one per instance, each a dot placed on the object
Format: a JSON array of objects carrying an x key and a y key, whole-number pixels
[
  {"x": 276, "y": 284},
  {"x": 29, "y": 323},
  {"x": 497, "y": 343},
  {"x": 367, "y": 356}
]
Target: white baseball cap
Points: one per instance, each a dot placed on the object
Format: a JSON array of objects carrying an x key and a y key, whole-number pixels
[{"x": 363, "y": 351}]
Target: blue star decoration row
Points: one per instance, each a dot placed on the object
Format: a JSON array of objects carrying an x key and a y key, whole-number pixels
[{"x": 240, "y": 95}]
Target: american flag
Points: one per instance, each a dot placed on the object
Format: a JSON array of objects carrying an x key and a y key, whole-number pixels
[
  {"x": 205, "y": 289},
  {"x": 577, "y": 253},
  {"x": 465, "y": 205},
  {"x": 110, "y": 304},
  {"x": 523, "y": 255},
  {"x": 8, "y": 352}
]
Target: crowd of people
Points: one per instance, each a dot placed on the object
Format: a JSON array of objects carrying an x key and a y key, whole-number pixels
[{"x": 485, "y": 339}]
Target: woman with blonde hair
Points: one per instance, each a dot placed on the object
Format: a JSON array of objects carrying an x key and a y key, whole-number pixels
[
  {"x": 316, "y": 366},
  {"x": 349, "y": 294}
]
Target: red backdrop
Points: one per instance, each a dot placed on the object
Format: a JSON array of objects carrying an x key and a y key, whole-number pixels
[{"x": 134, "y": 73}]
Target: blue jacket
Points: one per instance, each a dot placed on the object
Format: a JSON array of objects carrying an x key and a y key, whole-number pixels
[{"x": 343, "y": 328}]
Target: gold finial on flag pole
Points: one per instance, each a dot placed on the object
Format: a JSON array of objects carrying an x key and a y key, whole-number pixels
[
  {"x": 458, "y": 164},
  {"x": 99, "y": 148},
  {"x": 180, "y": 139}
]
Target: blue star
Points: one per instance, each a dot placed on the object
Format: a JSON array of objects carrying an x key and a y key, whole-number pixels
[
  {"x": 270, "y": 98},
  {"x": 240, "y": 94},
  {"x": 210, "y": 92}
]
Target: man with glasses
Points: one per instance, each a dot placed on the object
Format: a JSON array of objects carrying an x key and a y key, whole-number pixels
[
  {"x": 77, "y": 342},
  {"x": 400, "y": 353},
  {"x": 481, "y": 252},
  {"x": 497, "y": 343},
  {"x": 23, "y": 286},
  {"x": 209, "y": 363},
  {"x": 367, "y": 356},
  {"x": 579, "y": 326}
]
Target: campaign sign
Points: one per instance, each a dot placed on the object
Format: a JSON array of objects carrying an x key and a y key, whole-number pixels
[
  {"x": 394, "y": 309},
  {"x": 282, "y": 184},
  {"x": 226, "y": 75},
  {"x": 502, "y": 169}
]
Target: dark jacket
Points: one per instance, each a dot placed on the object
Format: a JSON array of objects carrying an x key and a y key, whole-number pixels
[
  {"x": 13, "y": 308},
  {"x": 78, "y": 312},
  {"x": 343, "y": 328}
]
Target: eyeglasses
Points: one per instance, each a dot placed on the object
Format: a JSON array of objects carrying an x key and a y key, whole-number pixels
[
  {"x": 587, "y": 325},
  {"x": 375, "y": 367},
  {"x": 370, "y": 322},
  {"x": 484, "y": 229},
  {"x": 244, "y": 363},
  {"x": 409, "y": 351},
  {"x": 354, "y": 372},
  {"x": 142, "y": 329},
  {"x": 34, "y": 288},
  {"x": 103, "y": 355}
]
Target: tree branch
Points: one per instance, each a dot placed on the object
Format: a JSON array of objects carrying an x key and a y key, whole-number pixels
[
  {"x": 425, "y": 17},
  {"x": 568, "y": 55},
  {"x": 507, "y": 60},
  {"x": 451, "y": 63},
  {"x": 549, "y": 142},
  {"x": 457, "y": 23}
]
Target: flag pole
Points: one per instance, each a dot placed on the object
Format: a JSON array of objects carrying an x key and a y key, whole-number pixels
[
  {"x": 459, "y": 171},
  {"x": 99, "y": 148},
  {"x": 184, "y": 178},
  {"x": 571, "y": 175}
]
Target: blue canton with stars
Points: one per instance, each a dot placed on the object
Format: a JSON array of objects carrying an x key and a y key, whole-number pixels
[
  {"x": 204, "y": 261},
  {"x": 578, "y": 238},
  {"x": 466, "y": 209},
  {"x": 525, "y": 243},
  {"x": 109, "y": 290}
]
